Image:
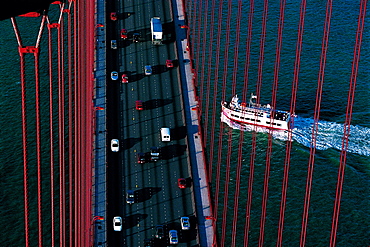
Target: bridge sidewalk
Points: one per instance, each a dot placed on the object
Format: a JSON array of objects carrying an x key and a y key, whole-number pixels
[{"x": 201, "y": 188}]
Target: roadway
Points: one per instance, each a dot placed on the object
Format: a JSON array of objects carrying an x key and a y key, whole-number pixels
[{"x": 158, "y": 200}]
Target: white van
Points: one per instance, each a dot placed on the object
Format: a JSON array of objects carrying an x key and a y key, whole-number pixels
[{"x": 165, "y": 134}]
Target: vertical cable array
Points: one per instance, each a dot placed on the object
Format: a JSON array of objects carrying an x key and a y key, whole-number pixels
[
  {"x": 297, "y": 64},
  {"x": 24, "y": 135},
  {"x": 70, "y": 46},
  {"x": 51, "y": 135},
  {"x": 273, "y": 100},
  {"x": 258, "y": 92},
  {"x": 77, "y": 104},
  {"x": 320, "y": 83},
  {"x": 208, "y": 83},
  {"x": 215, "y": 91},
  {"x": 75, "y": 195},
  {"x": 35, "y": 51},
  {"x": 202, "y": 62},
  {"x": 245, "y": 89},
  {"x": 220, "y": 139},
  {"x": 347, "y": 123},
  {"x": 239, "y": 162}
]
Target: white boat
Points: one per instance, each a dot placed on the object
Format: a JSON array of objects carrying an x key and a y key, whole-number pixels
[{"x": 255, "y": 114}]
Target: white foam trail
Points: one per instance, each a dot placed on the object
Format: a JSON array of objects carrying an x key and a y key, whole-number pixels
[{"x": 329, "y": 135}]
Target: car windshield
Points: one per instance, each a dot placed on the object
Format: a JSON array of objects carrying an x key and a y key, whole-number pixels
[
  {"x": 115, "y": 145},
  {"x": 117, "y": 224}
]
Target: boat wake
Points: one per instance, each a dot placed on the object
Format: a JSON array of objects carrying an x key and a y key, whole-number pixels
[{"x": 329, "y": 134}]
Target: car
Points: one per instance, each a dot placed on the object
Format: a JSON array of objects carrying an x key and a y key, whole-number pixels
[
  {"x": 148, "y": 69},
  {"x": 185, "y": 223},
  {"x": 154, "y": 154},
  {"x": 136, "y": 37},
  {"x": 123, "y": 34},
  {"x": 159, "y": 231},
  {"x": 124, "y": 78},
  {"x": 113, "y": 44},
  {"x": 169, "y": 63},
  {"x": 117, "y": 223},
  {"x": 181, "y": 182},
  {"x": 141, "y": 158},
  {"x": 113, "y": 16},
  {"x": 139, "y": 105},
  {"x": 114, "y": 145},
  {"x": 114, "y": 75},
  {"x": 130, "y": 197},
  {"x": 172, "y": 234}
]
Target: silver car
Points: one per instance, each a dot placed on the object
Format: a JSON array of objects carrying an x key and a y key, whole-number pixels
[
  {"x": 114, "y": 75},
  {"x": 173, "y": 237},
  {"x": 148, "y": 69},
  {"x": 113, "y": 44},
  {"x": 185, "y": 223}
]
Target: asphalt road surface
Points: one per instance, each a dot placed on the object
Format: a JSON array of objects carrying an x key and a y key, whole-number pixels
[{"x": 158, "y": 200}]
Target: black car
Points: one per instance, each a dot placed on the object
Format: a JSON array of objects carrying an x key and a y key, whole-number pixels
[
  {"x": 155, "y": 154},
  {"x": 159, "y": 231},
  {"x": 136, "y": 37},
  {"x": 141, "y": 158},
  {"x": 130, "y": 197}
]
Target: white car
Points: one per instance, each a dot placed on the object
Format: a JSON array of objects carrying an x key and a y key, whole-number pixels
[
  {"x": 117, "y": 223},
  {"x": 114, "y": 75},
  {"x": 148, "y": 69},
  {"x": 185, "y": 223},
  {"x": 114, "y": 145},
  {"x": 173, "y": 237}
]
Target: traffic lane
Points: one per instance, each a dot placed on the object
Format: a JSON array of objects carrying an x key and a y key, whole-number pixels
[
  {"x": 132, "y": 159},
  {"x": 113, "y": 171},
  {"x": 136, "y": 53},
  {"x": 171, "y": 160}
]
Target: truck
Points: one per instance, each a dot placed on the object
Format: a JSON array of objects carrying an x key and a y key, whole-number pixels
[{"x": 157, "y": 33}]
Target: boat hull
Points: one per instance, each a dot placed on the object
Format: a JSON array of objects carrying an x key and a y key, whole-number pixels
[{"x": 254, "y": 117}]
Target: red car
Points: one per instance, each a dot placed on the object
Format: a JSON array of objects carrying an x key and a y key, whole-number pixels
[
  {"x": 123, "y": 34},
  {"x": 113, "y": 16},
  {"x": 169, "y": 63},
  {"x": 181, "y": 182},
  {"x": 124, "y": 78},
  {"x": 139, "y": 105}
]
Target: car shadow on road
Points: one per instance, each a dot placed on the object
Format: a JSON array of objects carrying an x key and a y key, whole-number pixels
[
  {"x": 171, "y": 151},
  {"x": 146, "y": 193},
  {"x": 124, "y": 15},
  {"x": 178, "y": 133},
  {"x": 133, "y": 220},
  {"x": 156, "y": 103},
  {"x": 136, "y": 76},
  {"x": 130, "y": 142}
]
